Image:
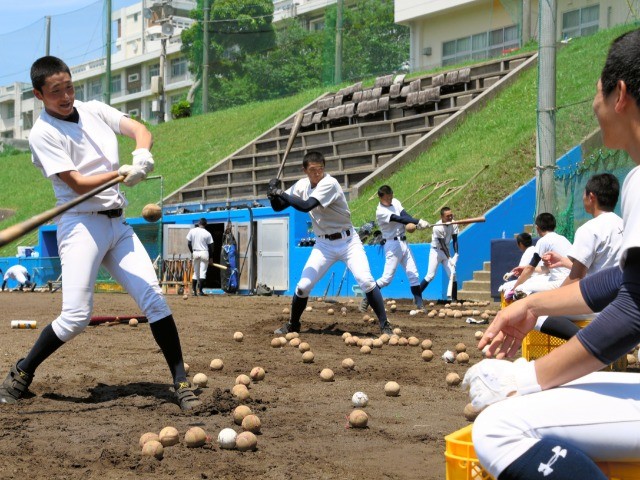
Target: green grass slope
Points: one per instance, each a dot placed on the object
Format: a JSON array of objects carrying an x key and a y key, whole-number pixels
[{"x": 502, "y": 135}]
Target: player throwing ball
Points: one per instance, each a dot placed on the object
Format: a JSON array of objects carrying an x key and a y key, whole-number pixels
[
  {"x": 75, "y": 145},
  {"x": 322, "y": 197},
  {"x": 553, "y": 417}
]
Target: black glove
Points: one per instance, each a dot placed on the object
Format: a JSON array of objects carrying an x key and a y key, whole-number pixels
[{"x": 274, "y": 188}]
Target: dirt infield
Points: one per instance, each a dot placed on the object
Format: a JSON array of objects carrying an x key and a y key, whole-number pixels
[{"x": 96, "y": 396}]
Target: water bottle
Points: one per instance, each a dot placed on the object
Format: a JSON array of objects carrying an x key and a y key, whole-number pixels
[{"x": 504, "y": 234}]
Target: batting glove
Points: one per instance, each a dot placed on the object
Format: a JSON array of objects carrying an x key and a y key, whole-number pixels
[
  {"x": 143, "y": 160},
  {"x": 491, "y": 381},
  {"x": 422, "y": 224},
  {"x": 274, "y": 188},
  {"x": 132, "y": 175}
]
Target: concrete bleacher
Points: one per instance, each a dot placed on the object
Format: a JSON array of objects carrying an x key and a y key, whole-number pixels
[{"x": 359, "y": 130}]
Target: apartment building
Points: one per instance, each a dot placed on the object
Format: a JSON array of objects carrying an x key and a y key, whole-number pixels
[{"x": 444, "y": 32}]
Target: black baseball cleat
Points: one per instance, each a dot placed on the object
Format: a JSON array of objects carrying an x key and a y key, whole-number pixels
[
  {"x": 287, "y": 328},
  {"x": 16, "y": 385},
  {"x": 387, "y": 329},
  {"x": 185, "y": 397}
]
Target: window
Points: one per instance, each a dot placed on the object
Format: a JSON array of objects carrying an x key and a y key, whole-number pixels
[
  {"x": 11, "y": 110},
  {"x": 133, "y": 77},
  {"x": 178, "y": 67},
  {"x": 481, "y": 45},
  {"x": 95, "y": 90},
  {"x": 154, "y": 70},
  {"x": 79, "y": 91},
  {"x": 581, "y": 22},
  {"x": 116, "y": 84},
  {"x": 134, "y": 112}
]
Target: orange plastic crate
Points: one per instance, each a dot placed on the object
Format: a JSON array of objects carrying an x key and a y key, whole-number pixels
[{"x": 462, "y": 463}]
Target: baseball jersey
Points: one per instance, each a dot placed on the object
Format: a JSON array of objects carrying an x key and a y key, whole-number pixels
[
  {"x": 89, "y": 147},
  {"x": 332, "y": 215},
  {"x": 630, "y": 206},
  {"x": 445, "y": 232},
  {"x": 14, "y": 271},
  {"x": 527, "y": 256},
  {"x": 200, "y": 238},
  {"x": 597, "y": 243},
  {"x": 388, "y": 228},
  {"x": 553, "y": 242}
]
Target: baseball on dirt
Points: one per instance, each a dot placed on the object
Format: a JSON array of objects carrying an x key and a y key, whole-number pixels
[
  {"x": 348, "y": 364},
  {"x": 216, "y": 364},
  {"x": 185, "y": 297},
  {"x": 195, "y": 437},
  {"x": 227, "y": 438},
  {"x": 358, "y": 419},
  {"x": 251, "y": 423},
  {"x": 169, "y": 436},
  {"x": 360, "y": 399},
  {"x": 326, "y": 375},
  {"x": 151, "y": 212},
  {"x": 479, "y": 334},
  {"x": 200, "y": 380},
  {"x": 246, "y": 441},
  {"x": 462, "y": 357},
  {"x": 133, "y": 322},
  {"x": 410, "y": 227},
  {"x": 453, "y": 379},
  {"x": 239, "y": 413},
  {"x": 257, "y": 374},
  {"x": 307, "y": 357},
  {"x": 330, "y": 311},
  {"x": 392, "y": 389},
  {"x": 238, "y": 336},
  {"x": 153, "y": 448},
  {"x": 147, "y": 437},
  {"x": 304, "y": 347},
  {"x": 449, "y": 356},
  {"x": 241, "y": 392},
  {"x": 243, "y": 379},
  {"x": 426, "y": 344}
]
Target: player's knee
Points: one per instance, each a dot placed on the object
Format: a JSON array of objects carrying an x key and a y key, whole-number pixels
[
  {"x": 67, "y": 326},
  {"x": 429, "y": 277},
  {"x": 383, "y": 282},
  {"x": 303, "y": 289},
  {"x": 153, "y": 304},
  {"x": 368, "y": 285}
]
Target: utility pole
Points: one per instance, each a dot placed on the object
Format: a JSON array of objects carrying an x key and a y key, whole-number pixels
[
  {"x": 205, "y": 58},
  {"x": 546, "y": 140},
  {"x": 107, "y": 90},
  {"x": 47, "y": 35},
  {"x": 337, "y": 77}
]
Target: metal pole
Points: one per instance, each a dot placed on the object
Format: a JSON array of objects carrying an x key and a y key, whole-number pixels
[
  {"x": 107, "y": 90},
  {"x": 526, "y": 21},
  {"x": 546, "y": 141},
  {"x": 205, "y": 58},
  {"x": 47, "y": 35},
  {"x": 337, "y": 78},
  {"x": 163, "y": 55}
]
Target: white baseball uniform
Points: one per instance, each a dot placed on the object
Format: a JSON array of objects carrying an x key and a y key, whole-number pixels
[
  {"x": 200, "y": 239},
  {"x": 396, "y": 250},
  {"x": 87, "y": 238},
  {"x": 597, "y": 242},
  {"x": 525, "y": 260},
  {"x": 598, "y": 413},
  {"x": 436, "y": 254},
  {"x": 336, "y": 238},
  {"x": 555, "y": 242},
  {"x": 18, "y": 273}
]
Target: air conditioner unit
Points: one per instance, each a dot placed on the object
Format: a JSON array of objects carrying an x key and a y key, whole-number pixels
[
  {"x": 156, "y": 85},
  {"x": 426, "y": 51},
  {"x": 155, "y": 106},
  {"x": 133, "y": 77}
]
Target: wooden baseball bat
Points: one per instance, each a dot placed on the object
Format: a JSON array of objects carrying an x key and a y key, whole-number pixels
[
  {"x": 464, "y": 221},
  {"x": 221, "y": 267},
  {"x": 14, "y": 232},
  {"x": 297, "y": 121}
]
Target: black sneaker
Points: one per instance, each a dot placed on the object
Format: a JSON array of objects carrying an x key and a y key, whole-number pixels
[
  {"x": 16, "y": 385},
  {"x": 185, "y": 397},
  {"x": 364, "y": 305},
  {"x": 287, "y": 328},
  {"x": 387, "y": 329}
]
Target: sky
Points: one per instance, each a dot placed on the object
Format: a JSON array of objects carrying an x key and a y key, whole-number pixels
[{"x": 77, "y": 33}]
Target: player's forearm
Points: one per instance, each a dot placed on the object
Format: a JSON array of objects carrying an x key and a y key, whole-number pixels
[
  {"x": 85, "y": 183},
  {"x": 136, "y": 131},
  {"x": 566, "y": 300},
  {"x": 564, "y": 364},
  {"x": 524, "y": 276}
]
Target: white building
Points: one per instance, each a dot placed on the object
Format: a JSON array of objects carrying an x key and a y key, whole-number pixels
[
  {"x": 135, "y": 60},
  {"x": 444, "y": 32}
]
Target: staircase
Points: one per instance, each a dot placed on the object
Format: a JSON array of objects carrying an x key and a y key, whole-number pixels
[{"x": 480, "y": 287}]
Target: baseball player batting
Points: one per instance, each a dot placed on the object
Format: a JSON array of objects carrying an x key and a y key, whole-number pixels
[
  {"x": 556, "y": 416},
  {"x": 392, "y": 218},
  {"x": 439, "y": 253},
  {"x": 321, "y": 196},
  {"x": 74, "y": 144}
]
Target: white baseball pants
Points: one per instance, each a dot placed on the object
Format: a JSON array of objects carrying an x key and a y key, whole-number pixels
[
  {"x": 598, "y": 414},
  {"x": 396, "y": 253},
  {"x": 437, "y": 257},
  {"x": 327, "y": 252},
  {"x": 87, "y": 240},
  {"x": 200, "y": 264}
]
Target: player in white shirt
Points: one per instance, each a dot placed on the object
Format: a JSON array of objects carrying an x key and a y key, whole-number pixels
[
  {"x": 596, "y": 246},
  {"x": 556, "y": 416},
  {"x": 320, "y": 195},
  {"x": 392, "y": 218},
  {"x": 525, "y": 245},
  {"x": 200, "y": 243},
  {"x": 440, "y": 254},
  {"x": 549, "y": 241},
  {"x": 20, "y": 274},
  {"x": 75, "y": 145}
]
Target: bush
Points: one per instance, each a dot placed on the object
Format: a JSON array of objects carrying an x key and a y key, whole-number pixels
[{"x": 181, "y": 109}]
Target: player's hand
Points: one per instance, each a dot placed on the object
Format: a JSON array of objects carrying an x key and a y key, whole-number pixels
[
  {"x": 273, "y": 189},
  {"x": 422, "y": 224},
  {"x": 517, "y": 271},
  {"x": 143, "y": 159},
  {"x": 132, "y": 175},
  {"x": 554, "y": 260},
  {"x": 491, "y": 381},
  {"x": 507, "y": 330}
]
